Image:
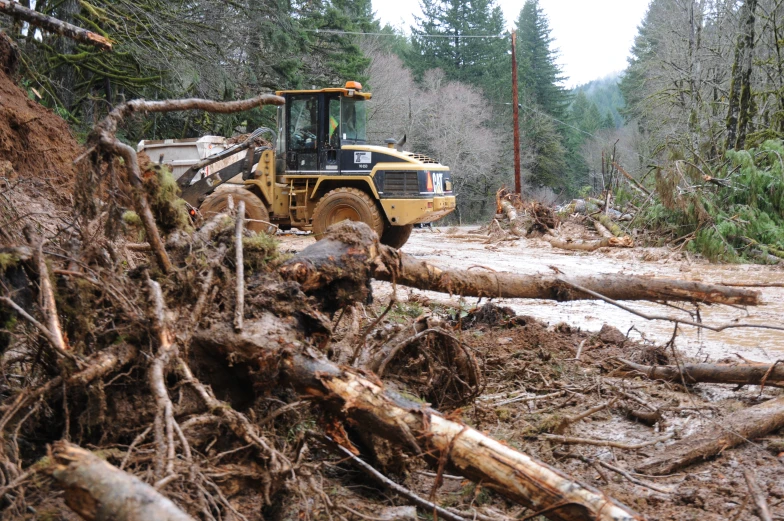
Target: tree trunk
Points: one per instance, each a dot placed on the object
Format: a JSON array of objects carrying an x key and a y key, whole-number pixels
[
  {"x": 739, "y": 374},
  {"x": 718, "y": 436},
  {"x": 98, "y": 491},
  {"x": 363, "y": 400},
  {"x": 617, "y": 242},
  {"x": 740, "y": 84},
  {"x": 341, "y": 263}
]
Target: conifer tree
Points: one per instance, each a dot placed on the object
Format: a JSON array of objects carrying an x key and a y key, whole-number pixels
[
  {"x": 539, "y": 73},
  {"x": 456, "y": 48}
]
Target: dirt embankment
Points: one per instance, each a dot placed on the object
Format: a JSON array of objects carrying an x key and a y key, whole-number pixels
[{"x": 37, "y": 153}]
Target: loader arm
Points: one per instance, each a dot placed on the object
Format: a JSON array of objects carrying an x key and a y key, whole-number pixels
[{"x": 192, "y": 192}]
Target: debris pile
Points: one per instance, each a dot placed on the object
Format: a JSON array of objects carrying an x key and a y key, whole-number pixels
[{"x": 151, "y": 370}]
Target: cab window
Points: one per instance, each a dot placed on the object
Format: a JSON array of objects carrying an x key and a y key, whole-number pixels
[
  {"x": 333, "y": 123},
  {"x": 303, "y": 124},
  {"x": 353, "y": 120}
]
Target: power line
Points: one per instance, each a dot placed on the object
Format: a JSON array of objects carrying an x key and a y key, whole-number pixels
[
  {"x": 622, "y": 147},
  {"x": 335, "y": 31}
]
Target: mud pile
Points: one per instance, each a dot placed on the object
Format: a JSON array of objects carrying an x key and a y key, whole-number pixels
[{"x": 37, "y": 153}]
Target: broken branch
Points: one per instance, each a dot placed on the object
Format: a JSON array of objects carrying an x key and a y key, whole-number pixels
[
  {"x": 732, "y": 430},
  {"x": 54, "y": 25},
  {"x": 98, "y": 491},
  {"x": 239, "y": 310}
]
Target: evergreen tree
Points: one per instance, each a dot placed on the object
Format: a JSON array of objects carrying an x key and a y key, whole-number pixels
[
  {"x": 555, "y": 150},
  {"x": 645, "y": 48},
  {"x": 538, "y": 71},
  {"x": 593, "y": 119},
  {"x": 579, "y": 109},
  {"x": 609, "y": 121},
  {"x": 456, "y": 49}
]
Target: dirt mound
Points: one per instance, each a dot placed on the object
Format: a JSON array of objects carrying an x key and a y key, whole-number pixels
[
  {"x": 37, "y": 153},
  {"x": 37, "y": 142}
]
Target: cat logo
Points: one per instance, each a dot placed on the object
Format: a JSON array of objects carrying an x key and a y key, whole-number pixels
[{"x": 438, "y": 183}]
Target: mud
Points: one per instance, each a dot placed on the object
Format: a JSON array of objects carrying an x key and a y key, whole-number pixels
[
  {"x": 533, "y": 382},
  {"x": 532, "y": 256}
]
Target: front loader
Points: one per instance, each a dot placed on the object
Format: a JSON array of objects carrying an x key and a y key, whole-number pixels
[{"x": 319, "y": 171}]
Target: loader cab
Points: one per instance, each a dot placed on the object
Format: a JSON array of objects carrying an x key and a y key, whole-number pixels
[{"x": 314, "y": 124}]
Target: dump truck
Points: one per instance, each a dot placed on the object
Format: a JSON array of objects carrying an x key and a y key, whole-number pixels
[{"x": 317, "y": 171}]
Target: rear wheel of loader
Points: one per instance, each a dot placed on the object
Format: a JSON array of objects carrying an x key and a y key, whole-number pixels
[
  {"x": 256, "y": 214},
  {"x": 396, "y": 236},
  {"x": 346, "y": 204}
]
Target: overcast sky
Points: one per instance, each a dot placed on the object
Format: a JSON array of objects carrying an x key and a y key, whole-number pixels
[{"x": 593, "y": 36}]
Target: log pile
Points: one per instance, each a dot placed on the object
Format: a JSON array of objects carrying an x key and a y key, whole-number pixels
[{"x": 516, "y": 218}]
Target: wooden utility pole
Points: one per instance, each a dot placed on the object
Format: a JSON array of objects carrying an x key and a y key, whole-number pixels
[{"x": 516, "y": 117}]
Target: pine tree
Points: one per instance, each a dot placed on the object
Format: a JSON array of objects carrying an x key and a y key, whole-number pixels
[
  {"x": 456, "y": 49},
  {"x": 539, "y": 73},
  {"x": 645, "y": 48},
  {"x": 609, "y": 121},
  {"x": 579, "y": 109},
  {"x": 554, "y": 147}
]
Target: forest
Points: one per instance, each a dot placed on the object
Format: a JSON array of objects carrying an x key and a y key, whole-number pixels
[{"x": 603, "y": 345}]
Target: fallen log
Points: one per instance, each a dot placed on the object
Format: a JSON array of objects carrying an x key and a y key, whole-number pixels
[
  {"x": 736, "y": 374},
  {"x": 350, "y": 253},
  {"x": 363, "y": 400},
  {"x": 718, "y": 436},
  {"x": 601, "y": 229},
  {"x": 98, "y": 491},
  {"x": 54, "y": 25},
  {"x": 610, "y": 225},
  {"x": 567, "y": 244}
]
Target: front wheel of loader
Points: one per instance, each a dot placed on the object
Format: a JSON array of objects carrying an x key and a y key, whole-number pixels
[
  {"x": 256, "y": 214},
  {"x": 346, "y": 204},
  {"x": 396, "y": 236}
]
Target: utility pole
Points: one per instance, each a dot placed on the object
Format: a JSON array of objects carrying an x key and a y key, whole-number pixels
[{"x": 516, "y": 113}]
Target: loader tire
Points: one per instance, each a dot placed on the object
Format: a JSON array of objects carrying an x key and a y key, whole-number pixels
[
  {"x": 396, "y": 236},
  {"x": 256, "y": 214},
  {"x": 346, "y": 203}
]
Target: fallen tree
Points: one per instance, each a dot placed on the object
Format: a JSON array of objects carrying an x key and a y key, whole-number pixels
[
  {"x": 718, "y": 436},
  {"x": 98, "y": 491},
  {"x": 418, "y": 429},
  {"x": 351, "y": 256},
  {"x": 737, "y": 374},
  {"x": 579, "y": 245}
]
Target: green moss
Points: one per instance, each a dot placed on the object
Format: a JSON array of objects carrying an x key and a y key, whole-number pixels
[
  {"x": 503, "y": 413},
  {"x": 259, "y": 251},
  {"x": 7, "y": 260},
  {"x": 170, "y": 212},
  {"x": 402, "y": 311},
  {"x": 131, "y": 218}
]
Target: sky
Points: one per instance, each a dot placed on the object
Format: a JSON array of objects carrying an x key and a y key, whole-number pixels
[{"x": 593, "y": 37}]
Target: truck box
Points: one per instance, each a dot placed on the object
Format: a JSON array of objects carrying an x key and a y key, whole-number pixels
[{"x": 181, "y": 154}]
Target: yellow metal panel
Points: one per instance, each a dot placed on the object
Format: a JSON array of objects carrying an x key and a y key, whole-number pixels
[
  {"x": 344, "y": 92},
  {"x": 365, "y": 178},
  {"x": 410, "y": 211},
  {"x": 264, "y": 176}
]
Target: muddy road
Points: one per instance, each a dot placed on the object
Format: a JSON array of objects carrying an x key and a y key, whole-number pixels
[{"x": 531, "y": 256}]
